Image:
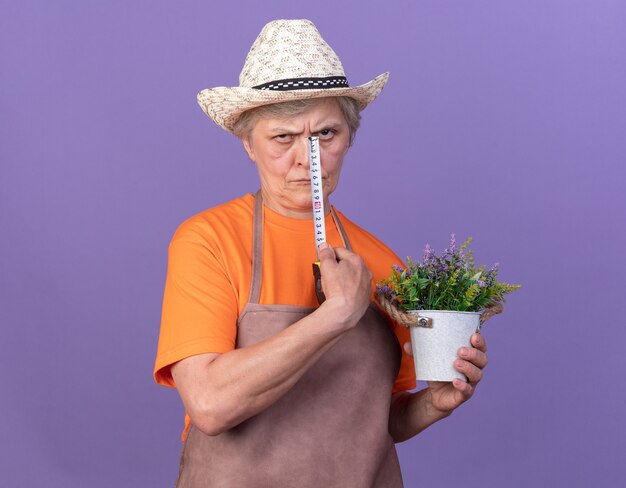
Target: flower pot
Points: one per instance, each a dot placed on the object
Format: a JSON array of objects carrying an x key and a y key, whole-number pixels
[{"x": 435, "y": 346}]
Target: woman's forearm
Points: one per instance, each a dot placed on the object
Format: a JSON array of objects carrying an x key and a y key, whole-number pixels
[
  {"x": 241, "y": 383},
  {"x": 411, "y": 413}
]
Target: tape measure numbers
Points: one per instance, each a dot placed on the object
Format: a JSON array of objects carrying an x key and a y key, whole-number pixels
[
  {"x": 317, "y": 200},
  {"x": 317, "y": 191}
]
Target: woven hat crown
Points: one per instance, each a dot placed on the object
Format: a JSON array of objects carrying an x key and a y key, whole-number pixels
[{"x": 288, "y": 49}]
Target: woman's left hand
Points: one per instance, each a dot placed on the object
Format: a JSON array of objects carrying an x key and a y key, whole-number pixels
[
  {"x": 411, "y": 413},
  {"x": 446, "y": 396}
]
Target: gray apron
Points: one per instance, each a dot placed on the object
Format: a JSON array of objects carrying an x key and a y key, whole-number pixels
[{"x": 329, "y": 430}]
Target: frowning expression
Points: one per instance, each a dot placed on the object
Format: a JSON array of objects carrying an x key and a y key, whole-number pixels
[{"x": 279, "y": 148}]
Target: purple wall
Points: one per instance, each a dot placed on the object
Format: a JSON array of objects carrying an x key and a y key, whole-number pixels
[{"x": 502, "y": 120}]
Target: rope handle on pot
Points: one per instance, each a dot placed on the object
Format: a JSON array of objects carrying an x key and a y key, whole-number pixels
[{"x": 409, "y": 319}]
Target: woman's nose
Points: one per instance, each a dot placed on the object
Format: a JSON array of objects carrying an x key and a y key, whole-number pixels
[{"x": 302, "y": 152}]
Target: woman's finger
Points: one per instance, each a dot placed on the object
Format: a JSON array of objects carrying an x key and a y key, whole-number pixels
[
  {"x": 343, "y": 253},
  {"x": 478, "y": 341},
  {"x": 326, "y": 254},
  {"x": 474, "y": 374},
  {"x": 463, "y": 387},
  {"x": 473, "y": 355}
]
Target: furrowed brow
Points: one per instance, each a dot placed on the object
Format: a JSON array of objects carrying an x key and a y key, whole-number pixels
[
  {"x": 283, "y": 130},
  {"x": 333, "y": 125}
]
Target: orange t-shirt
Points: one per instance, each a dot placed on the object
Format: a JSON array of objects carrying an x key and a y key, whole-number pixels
[{"x": 210, "y": 271}]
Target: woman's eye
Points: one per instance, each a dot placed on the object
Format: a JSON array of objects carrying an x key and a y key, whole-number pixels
[
  {"x": 326, "y": 134},
  {"x": 283, "y": 138}
]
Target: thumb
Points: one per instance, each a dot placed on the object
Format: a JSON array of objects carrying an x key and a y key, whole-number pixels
[{"x": 326, "y": 254}]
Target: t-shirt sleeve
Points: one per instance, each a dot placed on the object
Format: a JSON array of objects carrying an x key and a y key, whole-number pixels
[{"x": 199, "y": 313}]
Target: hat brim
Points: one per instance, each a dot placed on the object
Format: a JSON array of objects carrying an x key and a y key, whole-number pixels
[{"x": 224, "y": 105}]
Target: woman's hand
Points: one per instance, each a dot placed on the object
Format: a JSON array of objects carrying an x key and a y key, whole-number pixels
[
  {"x": 446, "y": 396},
  {"x": 346, "y": 282},
  {"x": 411, "y": 413},
  {"x": 220, "y": 391}
]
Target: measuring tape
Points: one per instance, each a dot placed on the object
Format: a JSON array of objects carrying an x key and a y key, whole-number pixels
[
  {"x": 317, "y": 191},
  {"x": 317, "y": 200}
]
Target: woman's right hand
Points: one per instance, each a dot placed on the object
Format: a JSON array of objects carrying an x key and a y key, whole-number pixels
[{"x": 346, "y": 283}]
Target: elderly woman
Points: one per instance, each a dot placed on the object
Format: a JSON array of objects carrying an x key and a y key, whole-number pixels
[{"x": 279, "y": 390}]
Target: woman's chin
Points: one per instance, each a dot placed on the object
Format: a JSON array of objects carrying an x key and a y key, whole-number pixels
[
  {"x": 300, "y": 197},
  {"x": 296, "y": 205}
]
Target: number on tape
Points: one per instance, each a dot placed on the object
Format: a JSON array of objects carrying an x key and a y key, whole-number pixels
[{"x": 317, "y": 190}]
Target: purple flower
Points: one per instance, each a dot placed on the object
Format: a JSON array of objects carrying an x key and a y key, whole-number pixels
[
  {"x": 481, "y": 283},
  {"x": 442, "y": 266},
  {"x": 490, "y": 274},
  {"x": 385, "y": 289},
  {"x": 429, "y": 255},
  {"x": 448, "y": 253},
  {"x": 398, "y": 268},
  {"x": 463, "y": 255}
]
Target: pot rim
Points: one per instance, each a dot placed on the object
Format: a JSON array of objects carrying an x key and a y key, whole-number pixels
[{"x": 417, "y": 312}]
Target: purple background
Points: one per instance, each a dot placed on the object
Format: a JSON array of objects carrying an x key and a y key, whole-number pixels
[{"x": 502, "y": 120}]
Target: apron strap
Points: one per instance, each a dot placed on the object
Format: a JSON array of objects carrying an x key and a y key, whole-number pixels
[
  {"x": 344, "y": 236},
  {"x": 257, "y": 249},
  {"x": 257, "y": 245}
]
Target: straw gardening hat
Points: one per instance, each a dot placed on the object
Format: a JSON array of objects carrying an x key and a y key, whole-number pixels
[{"x": 289, "y": 60}]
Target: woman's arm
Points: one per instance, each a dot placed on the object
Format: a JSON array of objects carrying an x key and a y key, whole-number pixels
[
  {"x": 220, "y": 391},
  {"x": 411, "y": 413}
]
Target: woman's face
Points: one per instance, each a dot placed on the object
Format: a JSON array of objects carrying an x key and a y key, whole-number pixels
[{"x": 279, "y": 148}]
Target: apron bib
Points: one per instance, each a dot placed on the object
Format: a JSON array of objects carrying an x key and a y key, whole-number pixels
[{"x": 329, "y": 430}]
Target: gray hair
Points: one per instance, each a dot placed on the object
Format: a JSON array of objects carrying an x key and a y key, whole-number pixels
[{"x": 246, "y": 121}]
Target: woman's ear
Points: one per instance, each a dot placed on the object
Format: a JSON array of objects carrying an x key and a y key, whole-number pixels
[{"x": 247, "y": 145}]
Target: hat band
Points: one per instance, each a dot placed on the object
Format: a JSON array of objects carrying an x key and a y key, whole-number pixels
[{"x": 304, "y": 83}]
